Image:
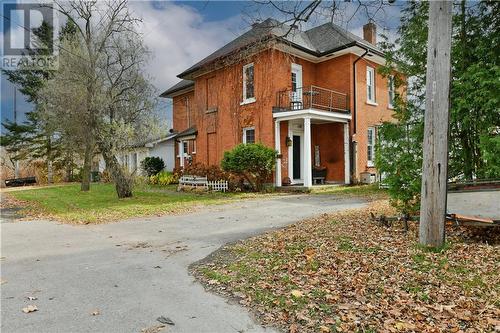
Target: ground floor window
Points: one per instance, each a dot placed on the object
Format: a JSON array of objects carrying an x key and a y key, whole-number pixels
[
  {"x": 249, "y": 135},
  {"x": 371, "y": 147}
]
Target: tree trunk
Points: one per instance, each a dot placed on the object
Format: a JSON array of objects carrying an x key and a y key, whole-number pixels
[
  {"x": 435, "y": 154},
  {"x": 50, "y": 172},
  {"x": 87, "y": 164},
  {"x": 122, "y": 183}
]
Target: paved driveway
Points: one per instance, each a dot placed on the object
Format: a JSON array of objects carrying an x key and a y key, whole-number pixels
[{"x": 134, "y": 271}]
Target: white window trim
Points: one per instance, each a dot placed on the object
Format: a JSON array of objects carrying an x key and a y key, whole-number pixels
[
  {"x": 245, "y": 134},
  {"x": 245, "y": 99},
  {"x": 194, "y": 147},
  {"x": 372, "y": 101},
  {"x": 390, "y": 89},
  {"x": 371, "y": 163},
  {"x": 297, "y": 95}
]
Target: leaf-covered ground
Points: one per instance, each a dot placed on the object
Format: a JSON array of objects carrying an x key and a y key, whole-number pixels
[{"x": 345, "y": 273}]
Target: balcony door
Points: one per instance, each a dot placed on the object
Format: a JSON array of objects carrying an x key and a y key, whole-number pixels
[{"x": 296, "y": 95}]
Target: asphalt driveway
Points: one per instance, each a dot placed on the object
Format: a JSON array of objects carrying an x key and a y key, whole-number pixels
[{"x": 129, "y": 273}]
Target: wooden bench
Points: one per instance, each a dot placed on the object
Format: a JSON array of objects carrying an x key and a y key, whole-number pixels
[
  {"x": 194, "y": 181},
  {"x": 197, "y": 181}
]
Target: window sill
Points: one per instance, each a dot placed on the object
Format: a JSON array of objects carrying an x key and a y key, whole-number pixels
[
  {"x": 370, "y": 165},
  {"x": 372, "y": 103},
  {"x": 248, "y": 101},
  {"x": 390, "y": 107},
  {"x": 211, "y": 110}
]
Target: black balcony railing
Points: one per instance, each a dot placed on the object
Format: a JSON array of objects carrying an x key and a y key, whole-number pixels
[{"x": 311, "y": 97}]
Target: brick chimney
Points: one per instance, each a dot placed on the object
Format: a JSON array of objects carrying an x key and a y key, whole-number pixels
[{"x": 370, "y": 33}]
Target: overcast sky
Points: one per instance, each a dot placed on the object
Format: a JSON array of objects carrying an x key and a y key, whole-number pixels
[{"x": 180, "y": 33}]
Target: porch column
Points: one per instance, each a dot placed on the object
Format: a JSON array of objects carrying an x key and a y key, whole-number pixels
[
  {"x": 181, "y": 154},
  {"x": 277, "y": 146},
  {"x": 347, "y": 160},
  {"x": 307, "y": 153}
]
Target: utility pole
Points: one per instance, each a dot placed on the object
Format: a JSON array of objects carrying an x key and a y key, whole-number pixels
[
  {"x": 16, "y": 163},
  {"x": 435, "y": 147}
]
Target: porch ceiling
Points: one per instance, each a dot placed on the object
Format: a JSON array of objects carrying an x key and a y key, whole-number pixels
[{"x": 314, "y": 115}]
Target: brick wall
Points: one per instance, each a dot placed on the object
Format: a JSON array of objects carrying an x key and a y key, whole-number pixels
[{"x": 216, "y": 110}]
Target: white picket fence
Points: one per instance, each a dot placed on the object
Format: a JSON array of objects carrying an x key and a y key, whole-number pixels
[
  {"x": 217, "y": 185},
  {"x": 196, "y": 181}
]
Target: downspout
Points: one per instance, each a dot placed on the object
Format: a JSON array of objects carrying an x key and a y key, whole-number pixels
[
  {"x": 354, "y": 113},
  {"x": 354, "y": 88}
]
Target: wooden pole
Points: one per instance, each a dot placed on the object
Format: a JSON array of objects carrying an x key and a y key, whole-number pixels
[{"x": 435, "y": 148}]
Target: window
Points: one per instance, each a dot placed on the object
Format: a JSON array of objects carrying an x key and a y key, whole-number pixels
[
  {"x": 194, "y": 147},
  {"x": 185, "y": 147},
  {"x": 249, "y": 135},
  {"x": 391, "y": 90},
  {"x": 371, "y": 146},
  {"x": 248, "y": 84},
  {"x": 294, "y": 82},
  {"x": 370, "y": 85},
  {"x": 211, "y": 97}
]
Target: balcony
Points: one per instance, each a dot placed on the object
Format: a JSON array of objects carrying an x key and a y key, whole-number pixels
[{"x": 311, "y": 97}]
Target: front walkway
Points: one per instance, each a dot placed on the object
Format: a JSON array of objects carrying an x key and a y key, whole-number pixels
[{"x": 135, "y": 271}]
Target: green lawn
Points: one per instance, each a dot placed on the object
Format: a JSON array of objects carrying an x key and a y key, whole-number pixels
[
  {"x": 69, "y": 204},
  {"x": 370, "y": 191}
]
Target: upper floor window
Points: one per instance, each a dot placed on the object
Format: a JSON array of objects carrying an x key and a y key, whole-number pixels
[
  {"x": 249, "y": 135},
  {"x": 294, "y": 81},
  {"x": 371, "y": 147},
  {"x": 211, "y": 97},
  {"x": 391, "y": 89},
  {"x": 370, "y": 85},
  {"x": 248, "y": 83}
]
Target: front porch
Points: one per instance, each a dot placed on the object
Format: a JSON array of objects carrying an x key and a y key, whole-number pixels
[{"x": 313, "y": 147}]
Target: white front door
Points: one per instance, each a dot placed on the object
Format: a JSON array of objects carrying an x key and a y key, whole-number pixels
[{"x": 296, "y": 83}]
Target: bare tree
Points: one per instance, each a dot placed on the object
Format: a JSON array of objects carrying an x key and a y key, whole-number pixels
[{"x": 102, "y": 70}]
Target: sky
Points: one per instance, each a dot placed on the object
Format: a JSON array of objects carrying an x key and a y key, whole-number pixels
[{"x": 180, "y": 33}]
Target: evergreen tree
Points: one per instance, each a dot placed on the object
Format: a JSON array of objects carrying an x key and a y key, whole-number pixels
[{"x": 475, "y": 106}]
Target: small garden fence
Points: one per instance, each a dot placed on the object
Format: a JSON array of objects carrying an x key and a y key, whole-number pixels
[{"x": 203, "y": 182}]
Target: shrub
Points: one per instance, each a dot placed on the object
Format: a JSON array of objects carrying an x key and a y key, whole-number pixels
[
  {"x": 163, "y": 178},
  {"x": 152, "y": 165},
  {"x": 213, "y": 173},
  {"x": 255, "y": 162},
  {"x": 106, "y": 176}
]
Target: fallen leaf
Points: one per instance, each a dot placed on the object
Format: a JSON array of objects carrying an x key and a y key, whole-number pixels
[
  {"x": 30, "y": 308},
  {"x": 95, "y": 313},
  {"x": 32, "y": 298},
  {"x": 297, "y": 293},
  {"x": 165, "y": 320},
  {"x": 324, "y": 329}
]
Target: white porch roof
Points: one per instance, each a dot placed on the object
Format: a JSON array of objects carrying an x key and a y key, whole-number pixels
[{"x": 313, "y": 114}]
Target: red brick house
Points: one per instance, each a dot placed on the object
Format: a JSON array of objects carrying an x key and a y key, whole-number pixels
[{"x": 314, "y": 95}]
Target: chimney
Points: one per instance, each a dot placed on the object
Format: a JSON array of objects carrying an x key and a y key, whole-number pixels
[{"x": 370, "y": 33}]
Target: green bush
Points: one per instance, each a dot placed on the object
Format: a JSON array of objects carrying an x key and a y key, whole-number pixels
[
  {"x": 163, "y": 178},
  {"x": 152, "y": 165},
  {"x": 255, "y": 162}
]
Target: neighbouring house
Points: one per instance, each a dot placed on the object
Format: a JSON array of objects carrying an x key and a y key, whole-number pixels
[
  {"x": 315, "y": 96},
  {"x": 132, "y": 157}
]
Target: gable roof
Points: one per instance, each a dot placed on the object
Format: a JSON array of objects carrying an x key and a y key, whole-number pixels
[
  {"x": 330, "y": 37},
  {"x": 318, "y": 41}
]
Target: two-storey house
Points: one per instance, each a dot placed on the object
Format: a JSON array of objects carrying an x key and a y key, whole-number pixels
[{"x": 315, "y": 96}]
